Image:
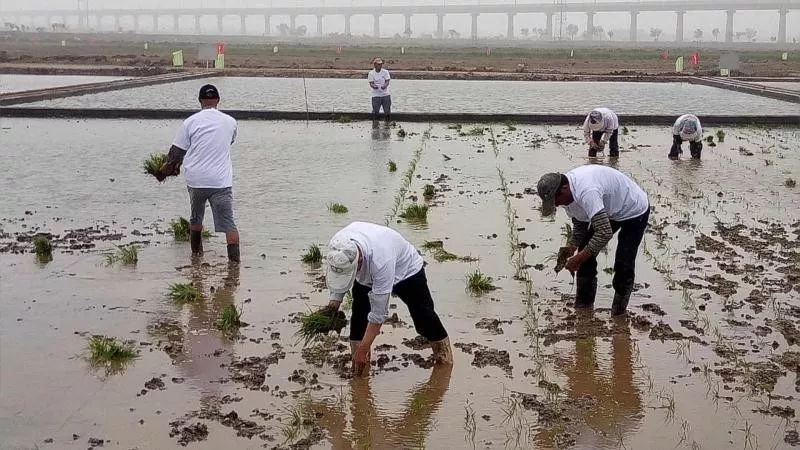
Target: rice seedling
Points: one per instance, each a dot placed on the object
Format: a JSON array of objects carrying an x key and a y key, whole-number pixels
[
  {"x": 313, "y": 255},
  {"x": 475, "y": 131},
  {"x": 625, "y": 130},
  {"x": 470, "y": 426},
  {"x": 790, "y": 183},
  {"x": 319, "y": 322},
  {"x": 436, "y": 248},
  {"x": 344, "y": 119},
  {"x": 401, "y": 133},
  {"x": 337, "y": 208},
  {"x": 392, "y": 166},
  {"x": 43, "y": 248},
  {"x": 720, "y": 136},
  {"x": 180, "y": 230},
  {"x": 415, "y": 213},
  {"x": 429, "y": 191},
  {"x": 510, "y": 125},
  {"x": 478, "y": 283},
  {"x": 127, "y": 255},
  {"x": 152, "y": 165},
  {"x": 710, "y": 139},
  {"x": 347, "y": 304},
  {"x": 230, "y": 319},
  {"x": 110, "y": 353},
  {"x": 184, "y": 293},
  {"x": 456, "y": 126}
]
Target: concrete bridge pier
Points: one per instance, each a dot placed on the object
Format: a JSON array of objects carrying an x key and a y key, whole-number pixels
[
  {"x": 176, "y": 23},
  {"x": 376, "y": 25},
  {"x": 135, "y": 23},
  {"x": 219, "y": 24},
  {"x": 590, "y": 26},
  {"x": 729, "y": 25},
  {"x": 440, "y": 25},
  {"x": 155, "y": 23},
  {"x": 510, "y": 22},
  {"x": 347, "y": 18},
  {"x": 292, "y": 22},
  {"x": 549, "y": 26},
  {"x": 243, "y": 25},
  {"x": 679, "y": 26},
  {"x": 634, "y": 26},
  {"x": 196, "y": 24},
  {"x": 407, "y": 29},
  {"x": 267, "y": 25},
  {"x": 319, "y": 25},
  {"x": 474, "y": 29},
  {"x": 782, "y": 26}
]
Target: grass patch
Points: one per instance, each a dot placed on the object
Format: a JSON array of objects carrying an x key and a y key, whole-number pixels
[
  {"x": 127, "y": 255},
  {"x": 337, "y": 208},
  {"x": 415, "y": 213},
  {"x": 790, "y": 183},
  {"x": 43, "y": 248},
  {"x": 401, "y": 133},
  {"x": 313, "y": 255},
  {"x": 720, "y": 136},
  {"x": 478, "y": 283},
  {"x": 230, "y": 319},
  {"x": 184, "y": 293},
  {"x": 392, "y": 166},
  {"x": 110, "y": 353},
  {"x": 152, "y": 165},
  {"x": 343, "y": 119},
  {"x": 318, "y": 323},
  {"x": 429, "y": 191}
]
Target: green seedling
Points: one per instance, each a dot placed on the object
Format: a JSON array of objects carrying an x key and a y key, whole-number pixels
[
  {"x": 436, "y": 248},
  {"x": 313, "y": 255},
  {"x": 320, "y": 322},
  {"x": 110, "y": 353},
  {"x": 43, "y": 248},
  {"x": 510, "y": 125},
  {"x": 152, "y": 165},
  {"x": 475, "y": 131},
  {"x": 184, "y": 293},
  {"x": 180, "y": 230},
  {"x": 415, "y": 213},
  {"x": 337, "y": 208},
  {"x": 710, "y": 139},
  {"x": 429, "y": 191},
  {"x": 478, "y": 283},
  {"x": 720, "y": 136},
  {"x": 790, "y": 183},
  {"x": 344, "y": 119},
  {"x": 392, "y": 166},
  {"x": 127, "y": 255},
  {"x": 625, "y": 130},
  {"x": 456, "y": 127},
  {"x": 230, "y": 319}
]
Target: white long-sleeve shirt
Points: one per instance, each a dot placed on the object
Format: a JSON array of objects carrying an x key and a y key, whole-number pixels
[
  {"x": 610, "y": 123},
  {"x": 694, "y": 137}
]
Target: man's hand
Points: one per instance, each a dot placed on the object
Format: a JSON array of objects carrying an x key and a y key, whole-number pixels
[
  {"x": 574, "y": 263},
  {"x": 360, "y": 359},
  {"x": 168, "y": 170},
  {"x": 332, "y": 307},
  {"x": 564, "y": 253},
  {"x": 601, "y": 146}
]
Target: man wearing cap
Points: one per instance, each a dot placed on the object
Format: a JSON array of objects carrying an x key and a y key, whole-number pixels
[
  {"x": 375, "y": 262},
  {"x": 601, "y": 127},
  {"x": 203, "y": 147},
  {"x": 601, "y": 201},
  {"x": 687, "y": 128},
  {"x": 378, "y": 79}
]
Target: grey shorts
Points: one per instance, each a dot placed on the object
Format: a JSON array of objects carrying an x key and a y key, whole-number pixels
[
  {"x": 221, "y": 200},
  {"x": 384, "y": 102}
]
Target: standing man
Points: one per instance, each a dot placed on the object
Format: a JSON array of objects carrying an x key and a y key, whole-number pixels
[
  {"x": 203, "y": 146},
  {"x": 375, "y": 262},
  {"x": 601, "y": 127},
  {"x": 687, "y": 128},
  {"x": 600, "y": 200},
  {"x": 379, "y": 79}
]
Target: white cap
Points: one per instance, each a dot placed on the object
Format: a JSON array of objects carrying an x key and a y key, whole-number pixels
[
  {"x": 341, "y": 262},
  {"x": 596, "y": 120},
  {"x": 689, "y": 130}
]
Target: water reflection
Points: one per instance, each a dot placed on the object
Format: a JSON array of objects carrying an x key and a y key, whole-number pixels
[
  {"x": 381, "y": 134},
  {"x": 370, "y": 428}
]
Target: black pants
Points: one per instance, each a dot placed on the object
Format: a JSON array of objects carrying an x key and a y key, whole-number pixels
[
  {"x": 631, "y": 232},
  {"x": 414, "y": 292},
  {"x": 613, "y": 143},
  {"x": 695, "y": 148}
]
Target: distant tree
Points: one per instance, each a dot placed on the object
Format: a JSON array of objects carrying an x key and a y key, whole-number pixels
[
  {"x": 610, "y": 34},
  {"x": 698, "y": 34},
  {"x": 750, "y": 33},
  {"x": 655, "y": 33},
  {"x": 300, "y": 31},
  {"x": 284, "y": 29},
  {"x": 739, "y": 35},
  {"x": 453, "y": 34},
  {"x": 773, "y": 39},
  {"x": 715, "y": 33},
  {"x": 572, "y": 30},
  {"x": 524, "y": 32},
  {"x": 598, "y": 32},
  {"x": 407, "y": 33},
  {"x": 541, "y": 32}
]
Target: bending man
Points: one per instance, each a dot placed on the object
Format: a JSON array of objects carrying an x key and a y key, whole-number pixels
[
  {"x": 376, "y": 261},
  {"x": 600, "y": 201},
  {"x": 687, "y": 128},
  {"x": 601, "y": 127}
]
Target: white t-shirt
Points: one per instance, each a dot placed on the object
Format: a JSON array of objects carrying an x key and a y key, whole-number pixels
[
  {"x": 380, "y": 79},
  {"x": 207, "y": 137},
  {"x": 595, "y": 187},
  {"x": 696, "y": 136}
]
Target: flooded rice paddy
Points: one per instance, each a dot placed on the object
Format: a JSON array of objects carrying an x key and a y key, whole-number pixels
[
  {"x": 708, "y": 357},
  {"x": 519, "y": 97},
  {"x": 18, "y": 83}
]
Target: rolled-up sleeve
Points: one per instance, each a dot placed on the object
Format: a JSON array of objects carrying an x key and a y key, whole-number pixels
[{"x": 382, "y": 285}]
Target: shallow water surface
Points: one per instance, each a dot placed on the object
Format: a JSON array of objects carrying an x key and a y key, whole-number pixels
[{"x": 18, "y": 83}]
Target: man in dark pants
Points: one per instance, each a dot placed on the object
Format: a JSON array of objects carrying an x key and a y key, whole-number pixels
[
  {"x": 601, "y": 127},
  {"x": 687, "y": 128},
  {"x": 601, "y": 201},
  {"x": 203, "y": 147},
  {"x": 375, "y": 262}
]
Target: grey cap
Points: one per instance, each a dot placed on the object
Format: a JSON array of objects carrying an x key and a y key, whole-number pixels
[{"x": 547, "y": 188}]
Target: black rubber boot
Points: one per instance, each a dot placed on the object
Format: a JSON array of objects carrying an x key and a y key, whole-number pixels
[
  {"x": 585, "y": 291},
  {"x": 592, "y": 153},
  {"x": 196, "y": 240},
  {"x": 620, "y": 304},
  {"x": 233, "y": 253},
  {"x": 696, "y": 148},
  {"x": 613, "y": 154}
]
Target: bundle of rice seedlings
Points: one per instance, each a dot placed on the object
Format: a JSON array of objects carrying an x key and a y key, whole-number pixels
[
  {"x": 415, "y": 213},
  {"x": 184, "y": 293},
  {"x": 478, "y": 283},
  {"x": 401, "y": 133},
  {"x": 320, "y": 322},
  {"x": 337, "y": 208},
  {"x": 790, "y": 183},
  {"x": 313, "y": 255},
  {"x": 108, "y": 352},
  {"x": 180, "y": 230},
  {"x": 429, "y": 191},
  {"x": 625, "y": 130},
  {"x": 127, "y": 255},
  {"x": 720, "y": 136},
  {"x": 43, "y": 248},
  {"x": 230, "y": 319},
  {"x": 392, "y": 166},
  {"x": 152, "y": 165},
  {"x": 476, "y": 131},
  {"x": 710, "y": 139}
]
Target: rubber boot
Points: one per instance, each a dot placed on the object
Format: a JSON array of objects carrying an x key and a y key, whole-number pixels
[
  {"x": 696, "y": 148},
  {"x": 592, "y": 153},
  {"x": 585, "y": 291},
  {"x": 620, "y": 304},
  {"x": 442, "y": 352},
  {"x": 353, "y": 347},
  {"x": 675, "y": 151},
  {"x": 233, "y": 253},
  {"x": 196, "y": 241}
]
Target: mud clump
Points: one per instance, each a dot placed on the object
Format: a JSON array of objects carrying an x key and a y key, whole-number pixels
[
  {"x": 244, "y": 428},
  {"x": 663, "y": 332},
  {"x": 787, "y": 328},
  {"x": 785, "y": 412},
  {"x": 653, "y": 308},
  {"x": 491, "y": 325},
  {"x": 492, "y": 357},
  {"x": 792, "y": 438},
  {"x": 763, "y": 376},
  {"x": 691, "y": 325},
  {"x": 190, "y": 433},
  {"x": 252, "y": 371},
  {"x": 721, "y": 286},
  {"x": 155, "y": 383},
  {"x": 418, "y": 343},
  {"x": 418, "y": 360}
]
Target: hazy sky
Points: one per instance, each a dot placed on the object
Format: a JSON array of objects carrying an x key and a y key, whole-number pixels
[{"x": 490, "y": 25}]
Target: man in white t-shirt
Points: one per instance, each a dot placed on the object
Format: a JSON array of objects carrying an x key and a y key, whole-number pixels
[
  {"x": 375, "y": 262},
  {"x": 601, "y": 127},
  {"x": 378, "y": 79},
  {"x": 600, "y": 200},
  {"x": 687, "y": 128},
  {"x": 203, "y": 147}
]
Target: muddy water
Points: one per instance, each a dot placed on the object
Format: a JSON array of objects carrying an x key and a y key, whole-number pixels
[
  {"x": 17, "y": 83},
  {"x": 288, "y": 94},
  {"x": 580, "y": 381}
]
